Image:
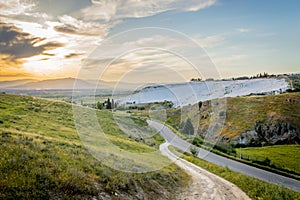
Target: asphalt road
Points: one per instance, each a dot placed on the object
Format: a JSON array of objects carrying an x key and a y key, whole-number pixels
[{"x": 174, "y": 140}]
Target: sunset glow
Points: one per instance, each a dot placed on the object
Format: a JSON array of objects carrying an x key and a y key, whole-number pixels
[{"x": 45, "y": 40}]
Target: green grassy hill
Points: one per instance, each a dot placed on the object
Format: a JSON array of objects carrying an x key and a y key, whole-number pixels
[
  {"x": 42, "y": 156},
  {"x": 243, "y": 112}
]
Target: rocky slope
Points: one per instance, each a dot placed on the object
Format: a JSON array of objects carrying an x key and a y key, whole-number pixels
[
  {"x": 182, "y": 94},
  {"x": 269, "y": 134}
]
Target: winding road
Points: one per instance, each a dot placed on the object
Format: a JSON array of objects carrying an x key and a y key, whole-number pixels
[{"x": 174, "y": 140}]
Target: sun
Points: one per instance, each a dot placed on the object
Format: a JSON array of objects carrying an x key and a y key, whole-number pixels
[{"x": 42, "y": 65}]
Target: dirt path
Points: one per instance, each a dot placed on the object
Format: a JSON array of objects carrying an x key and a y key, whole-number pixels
[{"x": 205, "y": 185}]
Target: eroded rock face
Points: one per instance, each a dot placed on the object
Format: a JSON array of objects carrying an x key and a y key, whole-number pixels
[{"x": 269, "y": 134}]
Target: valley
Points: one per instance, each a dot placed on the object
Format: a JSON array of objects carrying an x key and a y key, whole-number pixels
[{"x": 49, "y": 137}]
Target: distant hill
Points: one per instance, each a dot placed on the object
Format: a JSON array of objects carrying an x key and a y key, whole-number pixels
[
  {"x": 56, "y": 84},
  {"x": 14, "y": 83},
  {"x": 121, "y": 85},
  {"x": 67, "y": 84}
]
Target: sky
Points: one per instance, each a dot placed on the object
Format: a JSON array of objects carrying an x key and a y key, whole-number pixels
[{"x": 147, "y": 40}]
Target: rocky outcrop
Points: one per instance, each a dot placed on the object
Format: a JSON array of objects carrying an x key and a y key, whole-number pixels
[{"x": 269, "y": 134}]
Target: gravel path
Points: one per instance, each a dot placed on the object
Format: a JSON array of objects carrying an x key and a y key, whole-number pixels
[{"x": 204, "y": 185}]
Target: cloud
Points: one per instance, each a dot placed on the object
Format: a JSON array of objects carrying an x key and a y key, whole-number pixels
[
  {"x": 73, "y": 55},
  {"x": 72, "y": 25},
  {"x": 108, "y": 10},
  {"x": 158, "y": 43},
  {"x": 209, "y": 41},
  {"x": 16, "y": 7},
  {"x": 11, "y": 68},
  {"x": 243, "y": 30},
  {"x": 230, "y": 60},
  {"x": 6, "y": 62},
  {"x": 14, "y": 74},
  {"x": 149, "y": 52},
  {"x": 137, "y": 67},
  {"x": 18, "y": 44},
  {"x": 39, "y": 37}
]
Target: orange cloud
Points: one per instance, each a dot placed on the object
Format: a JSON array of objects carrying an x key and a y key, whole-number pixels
[
  {"x": 12, "y": 68},
  {"x": 15, "y": 46}
]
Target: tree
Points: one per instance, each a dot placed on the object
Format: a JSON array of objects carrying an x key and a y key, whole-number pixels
[
  {"x": 112, "y": 103},
  {"x": 196, "y": 79},
  {"x": 108, "y": 104},
  {"x": 187, "y": 127},
  {"x": 99, "y": 105},
  {"x": 200, "y": 104}
]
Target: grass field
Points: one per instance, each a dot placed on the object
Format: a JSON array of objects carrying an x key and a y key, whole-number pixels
[
  {"x": 254, "y": 188},
  {"x": 42, "y": 156},
  {"x": 282, "y": 156}
]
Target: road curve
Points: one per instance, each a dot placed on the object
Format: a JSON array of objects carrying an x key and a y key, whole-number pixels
[
  {"x": 205, "y": 185},
  {"x": 174, "y": 140}
]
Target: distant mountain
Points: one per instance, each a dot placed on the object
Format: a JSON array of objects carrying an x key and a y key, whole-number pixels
[
  {"x": 68, "y": 84},
  {"x": 14, "y": 83},
  {"x": 54, "y": 84},
  {"x": 119, "y": 85}
]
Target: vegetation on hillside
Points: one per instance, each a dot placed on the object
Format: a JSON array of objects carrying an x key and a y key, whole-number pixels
[
  {"x": 295, "y": 79},
  {"x": 243, "y": 112},
  {"x": 42, "y": 157}
]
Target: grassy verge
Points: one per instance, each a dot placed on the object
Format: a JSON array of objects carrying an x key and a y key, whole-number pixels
[
  {"x": 284, "y": 157},
  {"x": 283, "y": 162},
  {"x": 254, "y": 188}
]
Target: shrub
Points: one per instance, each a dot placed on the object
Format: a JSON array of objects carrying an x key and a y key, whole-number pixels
[
  {"x": 197, "y": 141},
  {"x": 194, "y": 151}
]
